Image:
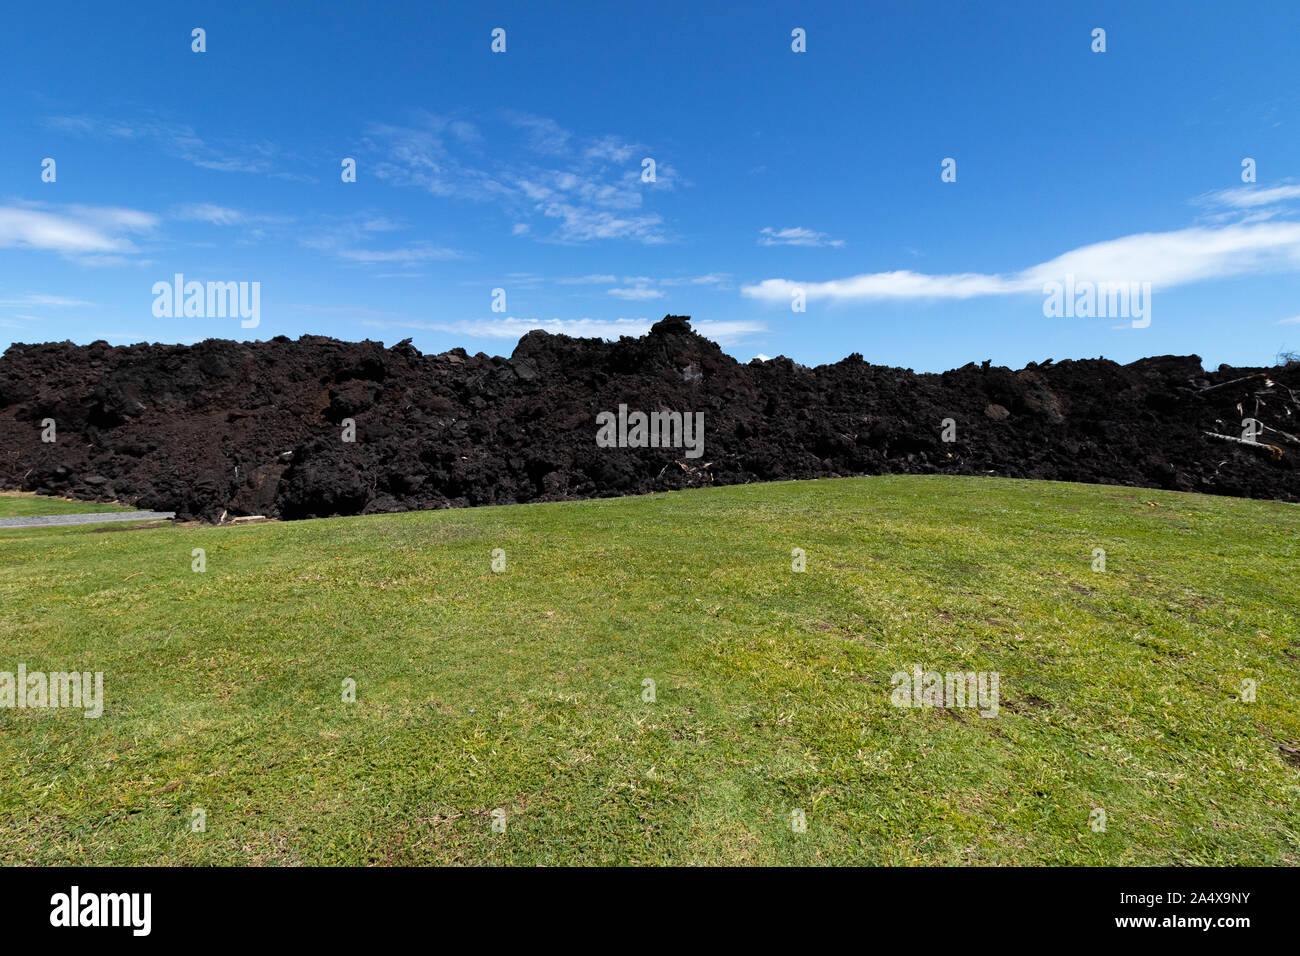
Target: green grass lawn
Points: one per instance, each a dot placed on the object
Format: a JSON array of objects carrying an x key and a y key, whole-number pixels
[
  {"x": 523, "y": 690},
  {"x": 16, "y": 504}
]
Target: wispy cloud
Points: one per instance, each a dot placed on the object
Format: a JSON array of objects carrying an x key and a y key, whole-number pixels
[
  {"x": 1165, "y": 259},
  {"x": 593, "y": 279},
  {"x": 35, "y": 300},
  {"x": 535, "y": 170},
  {"x": 409, "y": 254},
  {"x": 722, "y": 332},
  {"x": 1293, "y": 320},
  {"x": 1250, "y": 197},
  {"x": 719, "y": 280},
  {"x": 644, "y": 288},
  {"x": 727, "y": 332},
  {"x": 636, "y": 293},
  {"x": 79, "y": 232},
  {"x": 381, "y": 224},
  {"x": 181, "y": 141},
  {"x": 210, "y": 213},
  {"x": 216, "y": 215},
  {"x": 347, "y": 238},
  {"x": 795, "y": 236},
  {"x": 512, "y": 328},
  {"x": 543, "y": 135}
]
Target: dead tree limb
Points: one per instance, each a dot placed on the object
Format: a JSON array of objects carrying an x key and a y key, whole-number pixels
[
  {"x": 1244, "y": 378},
  {"x": 1271, "y": 449}
]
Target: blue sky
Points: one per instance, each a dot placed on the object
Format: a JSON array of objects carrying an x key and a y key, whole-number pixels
[{"x": 775, "y": 171}]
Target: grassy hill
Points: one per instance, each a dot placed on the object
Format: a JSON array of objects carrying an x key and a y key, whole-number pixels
[
  {"x": 17, "y": 504},
  {"x": 522, "y": 690}
]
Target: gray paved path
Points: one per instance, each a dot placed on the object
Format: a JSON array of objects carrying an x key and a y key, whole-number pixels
[{"x": 37, "y": 521}]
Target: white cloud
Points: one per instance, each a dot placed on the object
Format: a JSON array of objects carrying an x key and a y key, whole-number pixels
[
  {"x": 73, "y": 230},
  {"x": 613, "y": 149},
  {"x": 413, "y": 254},
  {"x": 113, "y": 218},
  {"x": 795, "y": 236},
  {"x": 512, "y": 328},
  {"x": 878, "y": 286},
  {"x": 210, "y": 212},
  {"x": 583, "y": 224},
  {"x": 346, "y": 237},
  {"x": 723, "y": 332},
  {"x": 225, "y": 216},
  {"x": 38, "y": 300},
  {"x": 93, "y": 126},
  {"x": 636, "y": 294},
  {"x": 531, "y": 167},
  {"x": 594, "y": 279},
  {"x": 1294, "y": 320},
  {"x": 103, "y": 262},
  {"x": 1250, "y": 197},
  {"x": 544, "y": 135},
  {"x": 1165, "y": 259},
  {"x": 182, "y": 142},
  {"x": 639, "y": 288},
  {"x": 720, "y": 279}
]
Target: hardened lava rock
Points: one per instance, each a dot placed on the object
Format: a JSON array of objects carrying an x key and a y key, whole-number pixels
[{"x": 258, "y": 428}]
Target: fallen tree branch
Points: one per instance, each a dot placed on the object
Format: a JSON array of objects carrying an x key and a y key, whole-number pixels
[
  {"x": 1286, "y": 435},
  {"x": 1244, "y": 378},
  {"x": 1271, "y": 449}
]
